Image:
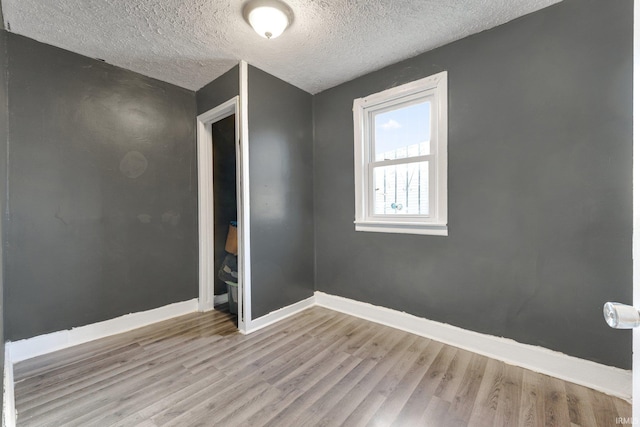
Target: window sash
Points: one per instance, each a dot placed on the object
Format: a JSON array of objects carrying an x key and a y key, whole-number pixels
[
  {"x": 434, "y": 89},
  {"x": 397, "y": 104},
  {"x": 370, "y": 195}
]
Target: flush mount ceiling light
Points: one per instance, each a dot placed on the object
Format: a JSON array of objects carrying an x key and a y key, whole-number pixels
[{"x": 268, "y": 17}]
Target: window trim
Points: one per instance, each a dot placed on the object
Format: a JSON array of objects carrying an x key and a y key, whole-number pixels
[{"x": 437, "y": 224}]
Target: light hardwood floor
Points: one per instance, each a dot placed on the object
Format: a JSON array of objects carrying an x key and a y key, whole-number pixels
[{"x": 318, "y": 367}]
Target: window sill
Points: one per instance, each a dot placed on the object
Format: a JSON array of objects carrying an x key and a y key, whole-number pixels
[{"x": 403, "y": 228}]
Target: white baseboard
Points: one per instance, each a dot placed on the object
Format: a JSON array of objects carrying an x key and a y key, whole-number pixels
[
  {"x": 8, "y": 398},
  {"x": 280, "y": 314},
  {"x": 608, "y": 379},
  {"x": 42, "y": 344},
  {"x": 220, "y": 299}
]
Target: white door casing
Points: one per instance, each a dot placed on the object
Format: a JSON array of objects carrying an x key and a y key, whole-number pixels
[{"x": 206, "y": 274}]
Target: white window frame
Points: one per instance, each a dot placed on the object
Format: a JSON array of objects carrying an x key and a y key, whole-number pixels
[{"x": 433, "y": 88}]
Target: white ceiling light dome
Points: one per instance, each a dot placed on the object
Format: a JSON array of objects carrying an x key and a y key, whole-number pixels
[{"x": 269, "y": 18}]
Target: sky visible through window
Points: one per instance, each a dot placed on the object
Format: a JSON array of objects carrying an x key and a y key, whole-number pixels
[
  {"x": 396, "y": 130},
  {"x": 402, "y": 189}
]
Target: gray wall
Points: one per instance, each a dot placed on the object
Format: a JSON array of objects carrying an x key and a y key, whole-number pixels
[
  {"x": 4, "y": 134},
  {"x": 540, "y": 201},
  {"x": 102, "y": 191},
  {"x": 281, "y": 187},
  {"x": 219, "y": 91},
  {"x": 225, "y": 201}
]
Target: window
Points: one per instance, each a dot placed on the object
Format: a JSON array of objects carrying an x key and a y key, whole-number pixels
[{"x": 401, "y": 158}]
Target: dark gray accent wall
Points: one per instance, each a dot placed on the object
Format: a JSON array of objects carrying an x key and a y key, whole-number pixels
[
  {"x": 281, "y": 192},
  {"x": 540, "y": 197},
  {"x": 219, "y": 91},
  {"x": 4, "y": 135},
  {"x": 102, "y": 191},
  {"x": 225, "y": 201}
]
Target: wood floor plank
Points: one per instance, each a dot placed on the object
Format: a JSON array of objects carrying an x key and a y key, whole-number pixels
[
  {"x": 208, "y": 397},
  {"x": 118, "y": 409},
  {"x": 92, "y": 403},
  {"x": 67, "y": 361},
  {"x": 198, "y": 387},
  {"x": 623, "y": 407},
  {"x": 337, "y": 393},
  {"x": 335, "y": 327},
  {"x": 361, "y": 390},
  {"x": 579, "y": 405},
  {"x": 486, "y": 402},
  {"x": 379, "y": 345},
  {"x": 248, "y": 407},
  {"x": 318, "y": 367},
  {"x": 267, "y": 412},
  {"x": 604, "y": 409},
  {"x": 358, "y": 337},
  {"x": 414, "y": 369},
  {"x": 531, "y": 411},
  {"x": 329, "y": 375},
  {"x": 213, "y": 406},
  {"x": 436, "y": 413},
  {"x": 276, "y": 365},
  {"x": 106, "y": 376},
  {"x": 556, "y": 408},
  {"x": 372, "y": 404},
  {"x": 311, "y": 371},
  {"x": 67, "y": 374},
  {"x": 247, "y": 349},
  {"x": 453, "y": 376},
  {"x": 507, "y": 412},
  {"x": 434, "y": 359},
  {"x": 232, "y": 346},
  {"x": 137, "y": 360},
  {"x": 462, "y": 404},
  {"x": 53, "y": 360},
  {"x": 265, "y": 352}
]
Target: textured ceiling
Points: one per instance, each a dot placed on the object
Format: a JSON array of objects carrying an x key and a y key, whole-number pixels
[{"x": 191, "y": 42}]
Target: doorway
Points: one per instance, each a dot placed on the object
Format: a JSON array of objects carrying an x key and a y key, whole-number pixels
[
  {"x": 225, "y": 215},
  {"x": 213, "y": 220}
]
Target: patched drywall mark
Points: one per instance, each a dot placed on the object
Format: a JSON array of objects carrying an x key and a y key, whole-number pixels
[
  {"x": 191, "y": 42},
  {"x": 133, "y": 164},
  {"x": 144, "y": 218},
  {"x": 171, "y": 217}
]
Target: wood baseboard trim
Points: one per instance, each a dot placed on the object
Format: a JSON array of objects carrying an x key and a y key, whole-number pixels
[
  {"x": 607, "y": 379},
  {"x": 47, "y": 343},
  {"x": 280, "y": 314}
]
